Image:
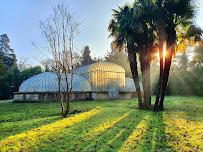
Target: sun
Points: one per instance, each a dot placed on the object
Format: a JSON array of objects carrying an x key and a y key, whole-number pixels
[{"x": 164, "y": 53}]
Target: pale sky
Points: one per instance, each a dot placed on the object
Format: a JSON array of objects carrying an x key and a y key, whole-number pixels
[{"x": 19, "y": 19}]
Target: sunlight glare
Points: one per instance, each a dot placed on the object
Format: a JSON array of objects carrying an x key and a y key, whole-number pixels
[{"x": 164, "y": 53}]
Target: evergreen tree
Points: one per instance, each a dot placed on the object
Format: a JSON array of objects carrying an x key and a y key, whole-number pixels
[
  {"x": 87, "y": 59},
  {"x": 4, "y": 46},
  {"x": 2, "y": 69},
  {"x": 7, "y": 55},
  {"x": 120, "y": 58}
]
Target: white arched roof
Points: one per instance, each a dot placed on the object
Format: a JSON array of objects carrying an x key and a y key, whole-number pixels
[
  {"x": 130, "y": 85},
  {"x": 100, "y": 66},
  {"x": 48, "y": 82}
]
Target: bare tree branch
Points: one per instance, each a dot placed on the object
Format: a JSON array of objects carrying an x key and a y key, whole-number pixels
[{"x": 59, "y": 31}]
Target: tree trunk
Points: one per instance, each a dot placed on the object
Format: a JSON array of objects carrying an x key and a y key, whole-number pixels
[
  {"x": 167, "y": 66},
  {"x": 159, "y": 87},
  {"x": 166, "y": 77},
  {"x": 68, "y": 105},
  {"x": 134, "y": 69},
  {"x": 67, "y": 97},
  {"x": 145, "y": 80},
  {"x": 148, "y": 78},
  {"x": 162, "y": 37},
  {"x": 61, "y": 98}
]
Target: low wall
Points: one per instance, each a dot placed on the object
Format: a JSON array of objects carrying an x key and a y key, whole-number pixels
[{"x": 75, "y": 96}]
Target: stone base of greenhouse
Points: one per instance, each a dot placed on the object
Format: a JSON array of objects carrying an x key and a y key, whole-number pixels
[{"x": 75, "y": 96}]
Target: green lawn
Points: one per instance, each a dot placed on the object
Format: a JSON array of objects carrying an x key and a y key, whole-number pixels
[
  {"x": 102, "y": 126},
  {"x": 9, "y": 100}
]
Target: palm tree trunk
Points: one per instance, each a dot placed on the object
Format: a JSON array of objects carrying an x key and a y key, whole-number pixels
[
  {"x": 168, "y": 59},
  {"x": 145, "y": 80},
  {"x": 162, "y": 36},
  {"x": 134, "y": 69},
  {"x": 165, "y": 79},
  {"x": 159, "y": 87},
  {"x": 148, "y": 77}
]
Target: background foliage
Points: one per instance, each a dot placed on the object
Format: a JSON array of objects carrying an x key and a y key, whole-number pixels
[{"x": 186, "y": 73}]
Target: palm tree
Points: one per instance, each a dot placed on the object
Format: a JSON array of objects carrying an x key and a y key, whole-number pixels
[
  {"x": 146, "y": 40},
  {"x": 134, "y": 30},
  {"x": 173, "y": 14},
  {"x": 166, "y": 16},
  {"x": 119, "y": 28}
]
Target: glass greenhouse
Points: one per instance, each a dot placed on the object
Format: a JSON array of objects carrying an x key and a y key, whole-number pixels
[
  {"x": 97, "y": 81},
  {"x": 43, "y": 82},
  {"x": 103, "y": 76},
  {"x": 130, "y": 85},
  {"x": 48, "y": 82}
]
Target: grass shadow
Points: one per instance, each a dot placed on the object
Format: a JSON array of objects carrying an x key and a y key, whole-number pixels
[
  {"x": 191, "y": 106},
  {"x": 82, "y": 136},
  {"x": 155, "y": 135},
  {"x": 114, "y": 137},
  {"x": 17, "y": 127},
  {"x": 32, "y": 137}
]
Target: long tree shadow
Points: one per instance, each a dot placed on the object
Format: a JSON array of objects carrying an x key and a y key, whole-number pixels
[
  {"x": 114, "y": 137},
  {"x": 155, "y": 135},
  {"x": 15, "y": 127},
  {"x": 148, "y": 136},
  {"x": 12, "y": 128},
  {"x": 75, "y": 133},
  {"x": 88, "y": 136},
  {"x": 25, "y": 140}
]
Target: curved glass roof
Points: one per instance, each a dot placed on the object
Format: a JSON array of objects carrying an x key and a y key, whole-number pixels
[
  {"x": 48, "y": 82},
  {"x": 43, "y": 82},
  {"x": 80, "y": 83},
  {"x": 130, "y": 85},
  {"x": 100, "y": 66},
  {"x": 103, "y": 76}
]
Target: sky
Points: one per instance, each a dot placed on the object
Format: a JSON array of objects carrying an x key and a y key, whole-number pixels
[{"x": 19, "y": 19}]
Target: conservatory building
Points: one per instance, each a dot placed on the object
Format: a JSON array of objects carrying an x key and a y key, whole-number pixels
[{"x": 97, "y": 81}]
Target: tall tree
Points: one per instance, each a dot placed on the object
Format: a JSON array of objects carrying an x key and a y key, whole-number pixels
[
  {"x": 60, "y": 30},
  {"x": 132, "y": 30},
  {"x": 120, "y": 29},
  {"x": 149, "y": 23},
  {"x": 87, "y": 59},
  {"x": 175, "y": 13},
  {"x": 120, "y": 58},
  {"x": 7, "y": 55},
  {"x": 4, "y": 45},
  {"x": 146, "y": 42}
]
